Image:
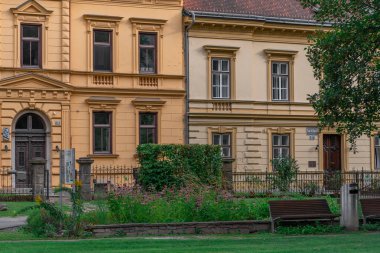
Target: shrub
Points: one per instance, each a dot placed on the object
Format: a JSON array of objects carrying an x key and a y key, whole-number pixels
[
  {"x": 176, "y": 165},
  {"x": 309, "y": 229},
  {"x": 285, "y": 170},
  {"x": 49, "y": 220},
  {"x": 178, "y": 205}
]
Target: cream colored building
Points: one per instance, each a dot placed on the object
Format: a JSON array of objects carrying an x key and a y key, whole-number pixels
[
  {"x": 100, "y": 76},
  {"x": 249, "y": 82}
]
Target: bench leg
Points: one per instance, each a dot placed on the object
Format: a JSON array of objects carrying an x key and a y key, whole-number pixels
[{"x": 272, "y": 226}]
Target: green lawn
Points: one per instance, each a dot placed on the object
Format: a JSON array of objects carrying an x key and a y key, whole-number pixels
[
  {"x": 13, "y": 207},
  {"x": 353, "y": 242}
]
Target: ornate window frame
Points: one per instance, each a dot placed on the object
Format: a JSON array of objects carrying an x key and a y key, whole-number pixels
[
  {"x": 275, "y": 55},
  {"x": 147, "y": 25},
  {"x": 153, "y": 105},
  {"x": 226, "y": 53},
  {"x": 224, "y": 130},
  {"x": 273, "y": 131},
  {"x": 33, "y": 13},
  {"x": 103, "y": 104},
  {"x": 101, "y": 22}
]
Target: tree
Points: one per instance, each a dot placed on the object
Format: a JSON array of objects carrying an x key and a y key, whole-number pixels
[{"x": 345, "y": 58}]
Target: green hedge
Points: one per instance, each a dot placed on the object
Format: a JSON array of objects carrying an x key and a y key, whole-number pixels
[{"x": 179, "y": 165}]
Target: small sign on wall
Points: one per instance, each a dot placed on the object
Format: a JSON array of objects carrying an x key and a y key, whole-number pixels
[
  {"x": 312, "y": 164},
  {"x": 5, "y": 134},
  {"x": 312, "y": 132}
]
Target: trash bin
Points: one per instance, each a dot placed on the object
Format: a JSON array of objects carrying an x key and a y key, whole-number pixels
[{"x": 349, "y": 206}]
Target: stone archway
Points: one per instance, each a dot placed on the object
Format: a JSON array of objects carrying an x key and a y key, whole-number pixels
[{"x": 29, "y": 141}]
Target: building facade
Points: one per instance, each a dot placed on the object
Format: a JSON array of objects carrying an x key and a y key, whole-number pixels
[
  {"x": 248, "y": 87},
  {"x": 98, "y": 76}
]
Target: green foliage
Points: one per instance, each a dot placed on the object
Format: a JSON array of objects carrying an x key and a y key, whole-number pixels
[
  {"x": 49, "y": 220},
  {"x": 177, "y": 165},
  {"x": 285, "y": 170},
  {"x": 370, "y": 227},
  {"x": 346, "y": 63},
  {"x": 184, "y": 205},
  {"x": 309, "y": 229}
]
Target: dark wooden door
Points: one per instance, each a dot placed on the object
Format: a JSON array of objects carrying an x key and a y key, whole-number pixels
[
  {"x": 332, "y": 160},
  {"x": 30, "y": 140},
  {"x": 27, "y": 148}
]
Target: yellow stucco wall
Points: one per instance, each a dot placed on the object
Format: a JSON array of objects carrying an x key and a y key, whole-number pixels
[{"x": 61, "y": 91}]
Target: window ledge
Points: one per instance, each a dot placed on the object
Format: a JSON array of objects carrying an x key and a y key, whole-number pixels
[
  {"x": 103, "y": 156},
  {"x": 228, "y": 160}
]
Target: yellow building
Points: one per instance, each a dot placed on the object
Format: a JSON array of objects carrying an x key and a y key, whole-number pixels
[
  {"x": 249, "y": 79},
  {"x": 100, "y": 76}
]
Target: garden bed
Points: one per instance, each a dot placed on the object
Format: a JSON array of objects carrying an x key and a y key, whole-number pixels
[{"x": 221, "y": 227}]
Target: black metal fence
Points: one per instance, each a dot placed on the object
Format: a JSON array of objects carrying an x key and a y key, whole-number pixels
[
  {"x": 307, "y": 183},
  {"x": 105, "y": 176},
  {"x": 8, "y": 189}
]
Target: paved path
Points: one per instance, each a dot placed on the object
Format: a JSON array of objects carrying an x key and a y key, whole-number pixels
[{"x": 12, "y": 222}]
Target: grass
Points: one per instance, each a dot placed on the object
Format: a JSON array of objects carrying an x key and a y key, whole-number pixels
[
  {"x": 351, "y": 242},
  {"x": 14, "y": 207}
]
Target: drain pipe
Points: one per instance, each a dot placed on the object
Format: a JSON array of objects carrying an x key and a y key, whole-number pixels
[{"x": 187, "y": 78}]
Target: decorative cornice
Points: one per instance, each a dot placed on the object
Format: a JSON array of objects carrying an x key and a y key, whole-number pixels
[
  {"x": 156, "y": 102},
  {"x": 38, "y": 9},
  {"x": 211, "y": 48},
  {"x": 95, "y": 100},
  {"x": 147, "y": 21},
  {"x": 270, "y": 52},
  {"x": 102, "y": 18}
]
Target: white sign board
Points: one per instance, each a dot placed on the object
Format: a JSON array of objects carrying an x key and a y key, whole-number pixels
[
  {"x": 312, "y": 131},
  {"x": 67, "y": 166}
]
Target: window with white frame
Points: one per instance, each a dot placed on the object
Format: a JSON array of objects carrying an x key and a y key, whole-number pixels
[
  {"x": 377, "y": 152},
  {"x": 220, "y": 78},
  {"x": 224, "y": 141},
  {"x": 280, "y": 146},
  {"x": 280, "y": 81}
]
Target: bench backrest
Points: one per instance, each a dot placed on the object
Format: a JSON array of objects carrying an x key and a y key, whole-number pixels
[
  {"x": 280, "y": 208},
  {"x": 370, "y": 206}
]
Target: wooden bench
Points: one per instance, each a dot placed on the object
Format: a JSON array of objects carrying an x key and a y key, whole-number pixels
[
  {"x": 299, "y": 210},
  {"x": 370, "y": 209}
]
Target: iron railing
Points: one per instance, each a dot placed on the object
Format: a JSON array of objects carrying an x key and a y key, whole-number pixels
[{"x": 307, "y": 183}]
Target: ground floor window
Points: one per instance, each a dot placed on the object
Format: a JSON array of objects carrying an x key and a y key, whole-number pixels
[
  {"x": 223, "y": 140},
  {"x": 377, "y": 152},
  {"x": 280, "y": 146},
  {"x": 102, "y": 130},
  {"x": 147, "y": 127}
]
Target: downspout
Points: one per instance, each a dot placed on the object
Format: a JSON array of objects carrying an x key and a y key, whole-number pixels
[{"x": 187, "y": 78}]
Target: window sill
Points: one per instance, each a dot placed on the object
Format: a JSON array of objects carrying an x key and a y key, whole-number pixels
[
  {"x": 228, "y": 160},
  {"x": 103, "y": 156}
]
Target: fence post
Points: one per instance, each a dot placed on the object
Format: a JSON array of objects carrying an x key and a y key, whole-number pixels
[
  {"x": 85, "y": 176},
  {"x": 38, "y": 176}
]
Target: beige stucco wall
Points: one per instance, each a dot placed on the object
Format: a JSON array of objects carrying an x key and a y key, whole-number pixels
[
  {"x": 251, "y": 69},
  {"x": 250, "y": 115}
]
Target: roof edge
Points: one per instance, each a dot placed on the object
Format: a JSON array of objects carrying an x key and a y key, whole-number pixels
[{"x": 268, "y": 19}]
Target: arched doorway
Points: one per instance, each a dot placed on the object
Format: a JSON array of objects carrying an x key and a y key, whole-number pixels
[{"x": 30, "y": 142}]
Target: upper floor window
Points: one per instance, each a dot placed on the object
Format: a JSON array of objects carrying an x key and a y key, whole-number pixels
[
  {"x": 223, "y": 140},
  {"x": 220, "y": 78},
  {"x": 377, "y": 152},
  {"x": 102, "y": 50},
  {"x": 280, "y": 146},
  {"x": 31, "y": 46},
  {"x": 148, "y": 127},
  {"x": 102, "y": 131},
  {"x": 147, "y": 52},
  {"x": 280, "y": 81}
]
